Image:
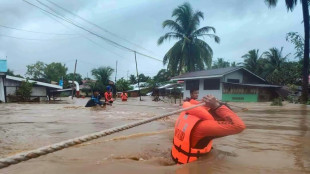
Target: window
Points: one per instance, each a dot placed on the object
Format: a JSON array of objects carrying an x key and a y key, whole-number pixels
[
  {"x": 233, "y": 80},
  {"x": 211, "y": 84},
  {"x": 192, "y": 85}
]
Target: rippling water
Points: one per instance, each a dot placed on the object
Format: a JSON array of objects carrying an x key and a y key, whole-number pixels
[{"x": 277, "y": 139}]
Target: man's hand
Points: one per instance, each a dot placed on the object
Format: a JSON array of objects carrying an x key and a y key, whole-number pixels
[{"x": 211, "y": 101}]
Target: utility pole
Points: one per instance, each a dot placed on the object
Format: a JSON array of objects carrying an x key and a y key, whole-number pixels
[
  {"x": 73, "y": 78},
  {"x": 115, "y": 72},
  {"x": 138, "y": 76},
  {"x": 127, "y": 74}
]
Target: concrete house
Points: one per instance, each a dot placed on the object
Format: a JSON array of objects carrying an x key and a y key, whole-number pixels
[
  {"x": 9, "y": 85},
  {"x": 229, "y": 84}
]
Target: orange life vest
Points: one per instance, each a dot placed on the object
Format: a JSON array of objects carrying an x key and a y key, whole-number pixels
[
  {"x": 108, "y": 96},
  {"x": 182, "y": 151},
  {"x": 124, "y": 96}
]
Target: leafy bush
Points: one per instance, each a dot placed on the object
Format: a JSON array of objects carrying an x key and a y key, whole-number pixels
[
  {"x": 24, "y": 91},
  {"x": 277, "y": 102}
]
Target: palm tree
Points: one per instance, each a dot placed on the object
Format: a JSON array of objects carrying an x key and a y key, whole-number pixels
[
  {"x": 290, "y": 4},
  {"x": 220, "y": 63},
  {"x": 275, "y": 62},
  {"x": 251, "y": 61},
  {"x": 102, "y": 74},
  {"x": 189, "y": 53}
]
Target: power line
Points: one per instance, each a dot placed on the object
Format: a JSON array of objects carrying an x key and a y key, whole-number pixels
[
  {"x": 34, "y": 31},
  {"x": 101, "y": 28},
  {"x": 85, "y": 37},
  {"x": 35, "y": 39},
  {"x": 107, "y": 40}
]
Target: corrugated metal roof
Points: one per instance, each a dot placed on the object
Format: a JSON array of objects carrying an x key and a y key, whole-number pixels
[
  {"x": 206, "y": 73},
  {"x": 36, "y": 82},
  {"x": 255, "y": 85},
  {"x": 211, "y": 73}
]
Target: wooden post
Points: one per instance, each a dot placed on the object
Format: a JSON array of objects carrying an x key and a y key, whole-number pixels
[
  {"x": 138, "y": 76},
  {"x": 73, "y": 79}
]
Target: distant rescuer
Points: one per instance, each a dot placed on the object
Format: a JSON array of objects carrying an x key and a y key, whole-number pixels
[
  {"x": 124, "y": 96},
  {"x": 195, "y": 129}
]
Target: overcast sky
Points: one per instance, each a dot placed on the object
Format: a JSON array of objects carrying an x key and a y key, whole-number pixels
[{"x": 242, "y": 25}]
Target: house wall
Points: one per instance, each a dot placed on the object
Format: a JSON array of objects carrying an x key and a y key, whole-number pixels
[
  {"x": 234, "y": 75},
  {"x": 202, "y": 92},
  {"x": 2, "y": 95}
]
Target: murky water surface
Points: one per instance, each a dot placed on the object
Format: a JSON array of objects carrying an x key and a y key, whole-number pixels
[{"x": 277, "y": 139}]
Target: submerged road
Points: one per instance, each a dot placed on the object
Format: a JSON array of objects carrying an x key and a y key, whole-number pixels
[{"x": 277, "y": 139}]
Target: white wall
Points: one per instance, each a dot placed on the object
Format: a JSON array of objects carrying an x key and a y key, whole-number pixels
[
  {"x": 38, "y": 91},
  {"x": 2, "y": 97},
  {"x": 234, "y": 75},
  {"x": 202, "y": 92},
  {"x": 10, "y": 90}
]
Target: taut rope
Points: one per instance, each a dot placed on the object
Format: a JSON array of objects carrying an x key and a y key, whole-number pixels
[{"x": 4, "y": 162}]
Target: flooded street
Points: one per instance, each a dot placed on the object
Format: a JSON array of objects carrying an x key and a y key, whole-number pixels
[{"x": 276, "y": 140}]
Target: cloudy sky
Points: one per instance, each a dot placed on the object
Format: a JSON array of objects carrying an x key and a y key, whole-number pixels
[{"x": 241, "y": 24}]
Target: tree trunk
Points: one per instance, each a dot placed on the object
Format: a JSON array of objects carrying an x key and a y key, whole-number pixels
[{"x": 305, "y": 71}]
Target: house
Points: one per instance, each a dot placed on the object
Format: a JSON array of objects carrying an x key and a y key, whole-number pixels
[
  {"x": 228, "y": 84},
  {"x": 9, "y": 85}
]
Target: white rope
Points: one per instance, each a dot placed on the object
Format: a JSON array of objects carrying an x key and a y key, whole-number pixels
[{"x": 5, "y": 162}]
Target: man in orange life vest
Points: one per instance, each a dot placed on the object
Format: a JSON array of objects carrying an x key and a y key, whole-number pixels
[
  {"x": 124, "y": 96},
  {"x": 196, "y": 128},
  {"x": 108, "y": 96}
]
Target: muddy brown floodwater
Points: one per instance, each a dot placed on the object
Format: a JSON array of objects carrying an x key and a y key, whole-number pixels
[{"x": 277, "y": 139}]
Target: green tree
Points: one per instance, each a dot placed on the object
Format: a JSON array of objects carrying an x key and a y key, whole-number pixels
[
  {"x": 132, "y": 79},
  {"x": 251, "y": 61},
  {"x": 189, "y": 53},
  {"x": 102, "y": 75},
  {"x": 143, "y": 78},
  {"x": 274, "y": 64},
  {"x": 11, "y": 73},
  {"x": 220, "y": 63},
  {"x": 290, "y": 5},
  {"x": 24, "y": 91},
  {"x": 55, "y": 71},
  {"x": 122, "y": 85},
  {"x": 36, "y": 71},
  {"x": 162, "y": 76},
  {"x": 77, "y": 77},
  {"x": 298, "y": 41}
]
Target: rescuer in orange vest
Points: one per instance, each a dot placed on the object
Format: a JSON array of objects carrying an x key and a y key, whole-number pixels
[
  {"x": 108, "y": 96},
  {"x": 194, "y": 96},
  {"x": 124, "y": 96},
  {"x": 196, "y": 128}
]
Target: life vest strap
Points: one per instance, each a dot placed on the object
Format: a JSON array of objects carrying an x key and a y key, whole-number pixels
[{"x": 198, "y": 154}]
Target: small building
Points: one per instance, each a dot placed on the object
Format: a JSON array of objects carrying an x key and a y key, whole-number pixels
[
  {"x": 229, "y": 84},
  {"x": 9, "y": 85}
]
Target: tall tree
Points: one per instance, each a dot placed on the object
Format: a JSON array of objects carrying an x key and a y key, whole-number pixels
[
  {"x": 132, "y": 79},
  {"x": 290, "y": 5},
  {"x": 11, "y": 73},
  {"x": 220, "y": 63},
  {"x": 55, "y": 71},
  {"x": 162, "y": 76},
  {"x": 275, "y": 62},
  {"x": 76, "y": 77},
  {"x": 189, "y": 53},
  {"x": 143, "y": 78},
  {"x": 122, "y": 85},
  {"x": 36, "y": 71},
  {"x": 102, "y": 75},
  {"x": 251, "y": 61}
]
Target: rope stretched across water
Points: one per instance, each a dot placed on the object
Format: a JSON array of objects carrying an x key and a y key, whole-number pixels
[{"x": 5, "y": 162}]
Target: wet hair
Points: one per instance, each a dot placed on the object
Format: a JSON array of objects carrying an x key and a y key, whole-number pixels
[{"x": 193, "y": 90}]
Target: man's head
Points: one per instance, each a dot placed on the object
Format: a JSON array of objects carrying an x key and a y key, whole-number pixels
[
  {"x": 96, "y": 92},
  {"x": 194, "y": 94}
]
